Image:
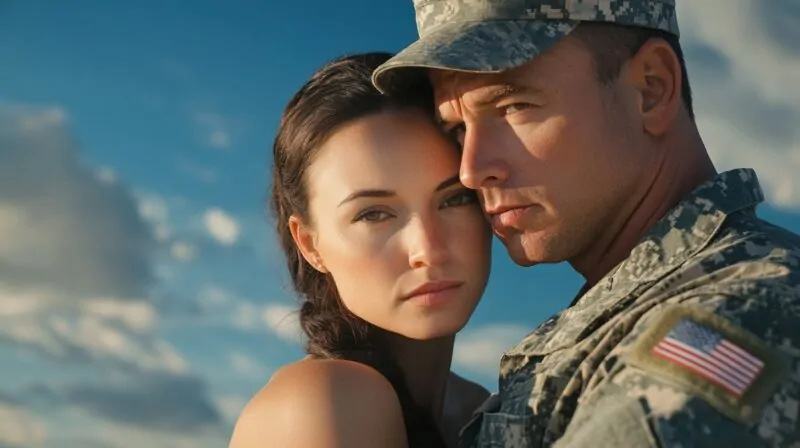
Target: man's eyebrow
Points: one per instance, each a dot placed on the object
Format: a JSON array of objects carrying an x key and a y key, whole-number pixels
[
  {"x": 494, "y": 94},
  {"x": 376, "y": 193},
  {"x": 487, "y": 97}
]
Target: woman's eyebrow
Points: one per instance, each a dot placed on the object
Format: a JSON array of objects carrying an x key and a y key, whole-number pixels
[{"x": 378, "y": 193}]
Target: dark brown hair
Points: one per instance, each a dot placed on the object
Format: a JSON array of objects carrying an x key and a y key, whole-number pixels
[{"x": 337, "y": 94}]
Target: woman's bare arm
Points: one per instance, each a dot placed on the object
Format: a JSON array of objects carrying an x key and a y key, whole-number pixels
[{"x": 323, "y": 404}]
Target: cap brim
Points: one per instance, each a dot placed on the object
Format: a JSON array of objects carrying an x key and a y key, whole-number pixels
[{"x": 477, "y": 47}]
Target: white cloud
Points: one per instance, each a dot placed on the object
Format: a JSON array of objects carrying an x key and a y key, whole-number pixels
[
  {"x": 153, "y": 208},
  {"x": 33, "y": 118},
  {"x": 106, "y": 175},
  {"x": 66, "y": 230},
  {"x": 162, "y": 232},
  {"x": 105, "y": 332},
  {"x": 743, "y": 65},
  {"x": 213, "y": 297},
  {"x": 75, "y": 252},
  {"x": 214, "y": 129},
  {"x": 283, "y": 320},
  {"x": 222, "y": 226},
  {"x": 220, "y": 139},
  {"x": 137, "y": 316},
  {"x": 247, "y": 366},
  {"x": 19, "y": 428},
  {"x": 231, "y": 406},
  {"x": 183, "y": 251},
  {"x": 168, "y": 217},
  {"x": 479, "y": 350},
  {"x": 245, "y": 316},
  {"x": 27, "y": 302},
  {"x": 107, "y": 433},
  {"x": 740, "y": 29},
  {"x": 198, "y": 172},
  {"x": 280, "y": 319},
  {"x": 164, "y": 271}
]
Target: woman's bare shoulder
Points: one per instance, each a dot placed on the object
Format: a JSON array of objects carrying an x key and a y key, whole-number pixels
[{"x": 320, "y": 403}]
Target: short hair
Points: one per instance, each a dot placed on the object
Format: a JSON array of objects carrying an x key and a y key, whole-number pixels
[{"x": 613, "y": 45}]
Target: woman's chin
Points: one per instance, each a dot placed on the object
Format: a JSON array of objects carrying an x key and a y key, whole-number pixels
[{"x": 434, "y": 329}]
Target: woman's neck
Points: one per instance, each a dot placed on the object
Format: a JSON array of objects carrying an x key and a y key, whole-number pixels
[{"x": 426, "y": 369}]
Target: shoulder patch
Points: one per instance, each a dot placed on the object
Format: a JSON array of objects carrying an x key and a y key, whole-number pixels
[{"x": 732, "y": 369}]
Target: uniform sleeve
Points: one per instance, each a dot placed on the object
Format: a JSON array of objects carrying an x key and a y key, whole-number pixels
[{"x": 694, "y": 378}]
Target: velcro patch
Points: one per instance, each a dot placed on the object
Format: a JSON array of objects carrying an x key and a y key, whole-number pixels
[{"x": 709, "y": 356}]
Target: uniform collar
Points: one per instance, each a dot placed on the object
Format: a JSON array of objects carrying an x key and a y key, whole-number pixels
[{"x": 686, "y": 230}]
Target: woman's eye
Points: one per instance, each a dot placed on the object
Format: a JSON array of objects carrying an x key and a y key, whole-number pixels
[
  {"x": 457, "y": 134},
  {"x": 373, "y": 216},
  {"x": 465, "y": 197}
]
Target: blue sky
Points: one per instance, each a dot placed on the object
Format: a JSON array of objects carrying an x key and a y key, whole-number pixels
[{"x": 142, "y": 298}]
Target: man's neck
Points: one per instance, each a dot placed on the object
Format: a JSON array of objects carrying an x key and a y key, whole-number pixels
[
  {"x": 682, "y": 169},
  {"x": 426, "y": 368}
]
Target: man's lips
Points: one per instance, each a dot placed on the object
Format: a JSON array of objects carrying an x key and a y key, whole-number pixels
[{"x": 509, "y": 216}]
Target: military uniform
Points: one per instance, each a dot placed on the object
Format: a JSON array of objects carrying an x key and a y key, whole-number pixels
[{"x": 693, "y": 340}]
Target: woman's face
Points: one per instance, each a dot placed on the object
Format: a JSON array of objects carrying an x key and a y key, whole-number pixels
[{"x": 405, "y": 242}]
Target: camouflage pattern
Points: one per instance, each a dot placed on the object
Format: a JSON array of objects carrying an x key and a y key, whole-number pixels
[
  {"x": 496, "y": 35},
  {"x": 570, "y": 383}
]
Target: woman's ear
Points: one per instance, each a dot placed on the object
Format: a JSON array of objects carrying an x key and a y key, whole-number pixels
[{"x": 304, "y": 239}]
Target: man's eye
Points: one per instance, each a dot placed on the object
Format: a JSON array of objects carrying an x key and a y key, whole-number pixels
[{"x": 516, "y": 107}]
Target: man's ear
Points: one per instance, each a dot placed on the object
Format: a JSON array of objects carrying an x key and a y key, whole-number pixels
[
  {"x": 304, "y": 239},
  {"x": 655, "y": 70}
]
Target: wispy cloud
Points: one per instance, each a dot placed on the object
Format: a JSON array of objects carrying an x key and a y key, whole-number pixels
[
  {"x": 76, "y": 254},
  {"x": 74, "y": 251},
  {"x": 743, "y": 62},
  {"x": 154, "y": 210},
  {"x": 227, "y": 308},
  {"x": 130, "y": 411},
  {"x": 221, "y": 225},
  {"x": 478, "y": 350},
  {"x": 196, "y": 171},
  {"x": 247, "y": 366},
  {"x": 183, "y": 251},
  {"x": 186, "y": 230},
  {"x": 284, "y": 321},
  {"x": 170, "y": 402},
  {"x": 106, "y": 175},
  {"x": 18, "y": 427},
  {"x": 213, "y": 127},
  {"x": 66, "y": 230},
  {"x": 231, "y": 406}
]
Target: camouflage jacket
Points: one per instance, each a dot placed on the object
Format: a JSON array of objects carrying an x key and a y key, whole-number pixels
[{"x": 693, "y": 340}]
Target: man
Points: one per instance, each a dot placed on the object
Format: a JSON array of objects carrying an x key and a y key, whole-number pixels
[{"x": 576, "y": 125}]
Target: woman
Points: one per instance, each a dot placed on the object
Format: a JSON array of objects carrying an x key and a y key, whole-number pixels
[{"x": 390, "y": 254}]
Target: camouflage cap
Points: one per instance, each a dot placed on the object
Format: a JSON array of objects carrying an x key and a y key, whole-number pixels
[{"x": 495, "y": 35}]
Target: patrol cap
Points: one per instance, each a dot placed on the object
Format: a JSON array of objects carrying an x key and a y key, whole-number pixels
[{"x": 490, "y": 36}]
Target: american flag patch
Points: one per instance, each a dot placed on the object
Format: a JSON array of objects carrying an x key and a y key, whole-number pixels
[{"x": 705, "y": 352}]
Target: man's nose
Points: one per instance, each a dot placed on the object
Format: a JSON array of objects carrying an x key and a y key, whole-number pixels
[{"x": 482, "y": 164}]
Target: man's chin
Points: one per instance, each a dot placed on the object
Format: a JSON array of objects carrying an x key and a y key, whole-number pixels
[
  {"x": 523, "y": 254},
  {"x": 519, "y": 255}
]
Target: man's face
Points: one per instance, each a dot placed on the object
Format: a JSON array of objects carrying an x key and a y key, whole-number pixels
[{"x": 557, "y": 157}]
